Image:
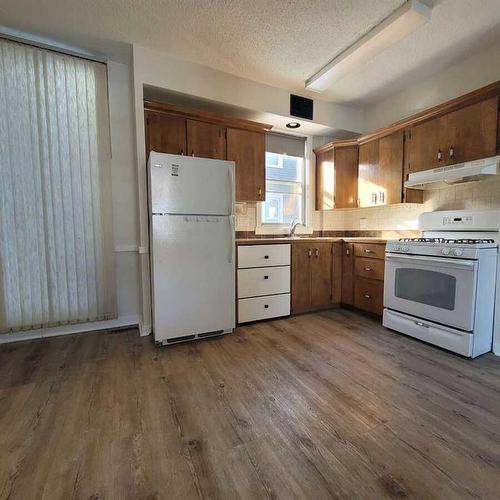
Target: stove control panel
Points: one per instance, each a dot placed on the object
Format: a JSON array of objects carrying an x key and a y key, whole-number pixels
[{"x": 463, "y": 220}]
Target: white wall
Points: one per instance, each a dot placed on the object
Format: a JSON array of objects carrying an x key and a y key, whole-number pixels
[
  {"x": 124, "y": 188},
  {"x": 473, "y": 72}
]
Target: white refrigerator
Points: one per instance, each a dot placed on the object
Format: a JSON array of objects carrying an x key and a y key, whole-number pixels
[{"x": 192, "y": 230}]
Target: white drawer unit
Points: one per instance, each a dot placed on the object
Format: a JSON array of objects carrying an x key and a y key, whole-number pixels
[
  {"x": 263, "y": 255},
  {"x": 259, "y": 281},
  {"x": 256, "y": 308},
  {"x": 263, "y": 281}
]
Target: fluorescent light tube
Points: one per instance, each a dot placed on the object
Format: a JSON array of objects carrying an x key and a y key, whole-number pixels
[{"x": 403, "y": 21}]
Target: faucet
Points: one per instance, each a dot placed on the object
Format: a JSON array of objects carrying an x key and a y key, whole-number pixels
[{"x": 293, "y": 227}]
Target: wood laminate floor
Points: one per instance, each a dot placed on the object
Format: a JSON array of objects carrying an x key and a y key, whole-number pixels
[{"x": 326, "y": 405}]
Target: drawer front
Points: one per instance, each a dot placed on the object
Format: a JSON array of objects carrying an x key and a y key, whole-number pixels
[
  {"x": 263, "y": 281},
  {"x": 369, "y": 295},
  {"x": 263, "y": 307},
  {"x": 370, "y": 268},
  {"x": 372, "y": 250},
  {"x": 263, "y": 255}
]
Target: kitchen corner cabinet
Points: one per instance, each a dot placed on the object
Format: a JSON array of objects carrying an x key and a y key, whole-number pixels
[
  {"x": 336, "y": 177},
  {"x": 469, "y": 133},
  {"x": 380, "y": 180},
  {"x": 248, "y": 149},
  {"x": 312, "y": 266}
]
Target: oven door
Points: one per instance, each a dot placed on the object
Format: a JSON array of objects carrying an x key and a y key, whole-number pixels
[{"x": 435, "y": 288}]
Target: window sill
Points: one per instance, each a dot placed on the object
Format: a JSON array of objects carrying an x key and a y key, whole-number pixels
[{"x": 283, "y": 229}]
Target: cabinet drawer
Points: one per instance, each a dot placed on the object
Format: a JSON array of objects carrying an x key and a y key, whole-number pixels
[
  {"x": 263, "y": 281},
  {"x": 369, "y": 295},
  {"x": 263, "y": 255},
  {"x": 263, "y": 307},
  {"x": 370, "y": 268},
  {"x": 373, "y": 250}
]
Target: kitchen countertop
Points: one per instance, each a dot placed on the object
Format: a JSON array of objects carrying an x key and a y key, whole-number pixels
[{"x": 306, "y": 239}]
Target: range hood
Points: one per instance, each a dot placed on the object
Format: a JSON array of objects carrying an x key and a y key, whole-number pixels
[{"x": 442, "y": 177}]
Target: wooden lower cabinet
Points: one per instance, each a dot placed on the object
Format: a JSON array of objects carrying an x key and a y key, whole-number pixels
[
  {"x": 363, "y": 268},
  {"x": 369, "y": 295},
  {"x": 312, "y": 274},
  {"x": 347, "y": 294}
]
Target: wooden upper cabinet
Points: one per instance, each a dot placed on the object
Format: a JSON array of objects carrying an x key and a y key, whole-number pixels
[
  {"x": 165, "y": 133},
  {"x": 248, "y": 150},
  {"x": 337, "y": 178},
  {"x": 206, "y": 140},
  {"x": 471, "y": 132},
  {"x": 325, "y": 195},
  {"x": 370, "y": 179},
  {"x": 391, "y": 166},
  {"x": 381, "y": 171},
  {"x": 346, "y": 177},
  {"x": 423, "y": 143}
]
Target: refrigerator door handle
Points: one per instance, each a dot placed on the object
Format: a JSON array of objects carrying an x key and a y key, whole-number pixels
[
  {"x": 232, "y": 238},
  {"x": 230, "y": 172}
]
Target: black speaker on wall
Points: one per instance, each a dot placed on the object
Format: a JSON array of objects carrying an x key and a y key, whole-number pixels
[{"x": 301, "y": 107}]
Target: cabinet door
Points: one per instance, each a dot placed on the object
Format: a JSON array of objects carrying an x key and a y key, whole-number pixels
[
  {"x": 471, "y": 132},
  {"x": 337, "y": 273},
  {"x": 301, "y": 277},
  {"x": 347, "y": 273},
  {"x": 321, "y": 275},
  {"x": 325, "y": 195},
  {"x": 206, "y": 140},
  {"x": 370, "y": 179},
  {"x": 391, "y": 167},
  {"x": 346, "y": 177},
  {"x": 248, "y": 150},
  {"x": 425, "y": 145},
  {"x": 165, "y": 133}
]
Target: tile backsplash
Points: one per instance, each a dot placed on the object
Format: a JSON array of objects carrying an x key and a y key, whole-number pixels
[{"x": 395, "y": 219}]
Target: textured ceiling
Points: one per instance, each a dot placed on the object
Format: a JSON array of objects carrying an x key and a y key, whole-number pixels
[{"x": 278, "y": 42}]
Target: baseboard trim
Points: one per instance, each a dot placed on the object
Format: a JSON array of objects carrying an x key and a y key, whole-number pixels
[{"x": 122, "y": 322}]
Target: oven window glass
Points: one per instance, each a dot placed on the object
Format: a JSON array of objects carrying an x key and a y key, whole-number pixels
[{"x": 427, "y": 287}]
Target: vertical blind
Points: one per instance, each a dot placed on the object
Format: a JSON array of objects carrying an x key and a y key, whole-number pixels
[{"x": 56, "y": 256}]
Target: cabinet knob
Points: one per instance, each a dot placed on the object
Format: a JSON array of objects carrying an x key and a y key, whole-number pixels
[
  {"x": 192, "y": 152},
  {"x": 368, "y": 268},
  {"x": 347, "y": 252},
  {"x": 439, "y": 155},
  {"x": 367, "y": 250},
  {"x": 309, "y": 253},
  {"x": 259, "y": 192},
  {"x": 316, "y": 252},
  {"x": 452, "y": 152},
  {"x": 366, "y": 296}
]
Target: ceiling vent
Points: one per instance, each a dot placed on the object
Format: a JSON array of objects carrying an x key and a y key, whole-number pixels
[{"x": 301, "y": 107}]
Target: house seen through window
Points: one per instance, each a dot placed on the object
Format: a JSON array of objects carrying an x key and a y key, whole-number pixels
[{"x": 285, "y": 187}]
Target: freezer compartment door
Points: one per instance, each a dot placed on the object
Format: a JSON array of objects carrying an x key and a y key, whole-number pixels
[
  {"x": 188, "y": 185},
  {"x": 193, "y": 275}
]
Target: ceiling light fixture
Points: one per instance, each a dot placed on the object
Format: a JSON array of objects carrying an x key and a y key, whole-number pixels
[
  {"x": 293, "y": 125},
  {"x": 403, "y": 21}
]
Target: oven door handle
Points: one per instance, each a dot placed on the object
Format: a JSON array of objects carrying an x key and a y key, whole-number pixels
[{"x": 468, "y": 265}]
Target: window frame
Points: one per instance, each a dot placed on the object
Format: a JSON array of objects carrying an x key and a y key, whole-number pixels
[{"x": 263, "y": 227}]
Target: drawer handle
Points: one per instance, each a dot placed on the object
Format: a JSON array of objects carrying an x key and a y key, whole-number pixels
[
  {"x": 366, "y": 296},
  {"x": 266, "y": 256},
  {"x": 266, "y": 306},
  {"x": 316, "y": 252},
  {"x": 367, "y": 250},
  {"x": 419, "y": 323},
  {"x": 266, "y": 277},
  {"x": 368, "y": 269}
]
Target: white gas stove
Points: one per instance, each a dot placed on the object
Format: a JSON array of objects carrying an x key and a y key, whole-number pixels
[{"x": 441, "y": 287}]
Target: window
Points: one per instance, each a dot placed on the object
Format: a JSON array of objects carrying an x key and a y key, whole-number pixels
[
  {"x": 56, "y": 253},
  {"x": 285, "y": 181}
]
